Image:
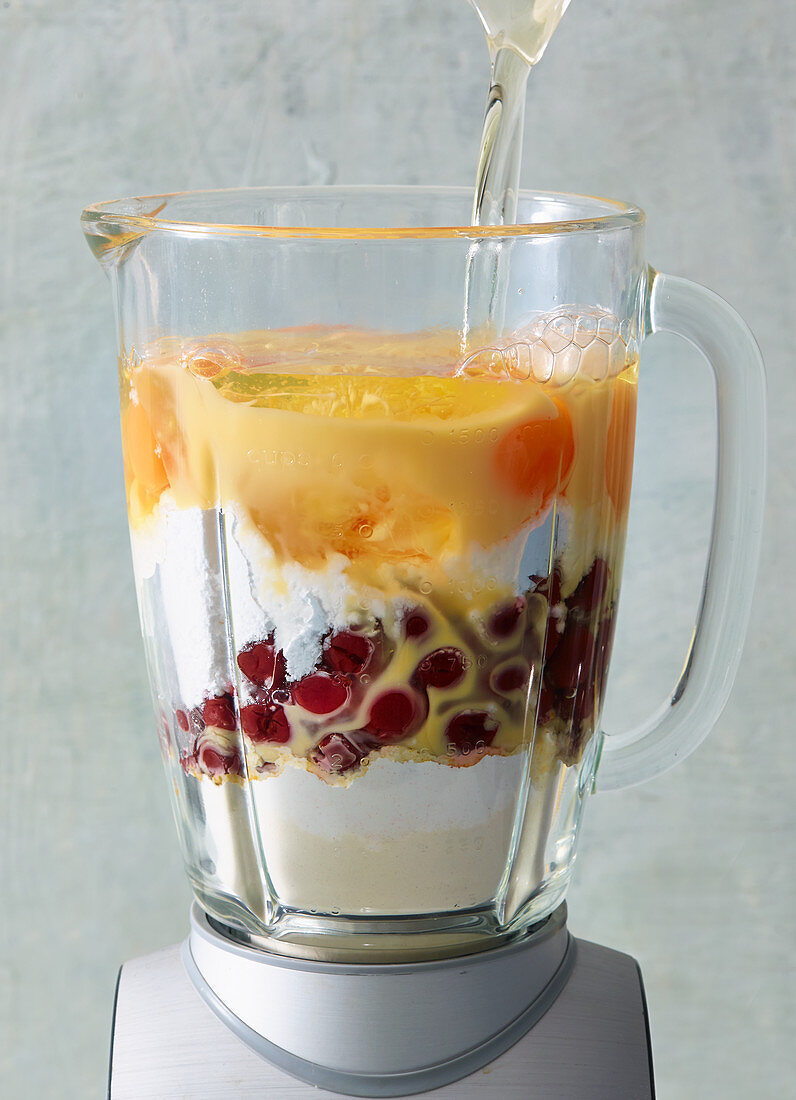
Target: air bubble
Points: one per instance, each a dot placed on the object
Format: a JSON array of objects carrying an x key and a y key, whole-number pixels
[
  {"x": 558, "y": 333},
  {"x": 517, "y": 361},
  {"x": 542, "y": 362},
  {"x": 585, "y": 331},
  {"x": 608, "y": 329},
  {"x": 426, "y": 587},
  {"x": 484, "y": 363},
  {"x": 567, "y": 364},
  {"x": 595, "y": 364},
  {"x": 365, "y": 530},
  {"x": 213, "y": 361}
]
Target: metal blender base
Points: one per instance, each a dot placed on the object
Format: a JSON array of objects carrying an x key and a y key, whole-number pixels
[{"x": 551, "y": 1017}]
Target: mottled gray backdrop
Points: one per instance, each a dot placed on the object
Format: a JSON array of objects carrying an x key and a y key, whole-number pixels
[{"x": 684, "y": 108}]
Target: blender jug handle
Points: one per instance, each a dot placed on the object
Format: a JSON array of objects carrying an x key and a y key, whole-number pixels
[{"x": 686, "y": 309}]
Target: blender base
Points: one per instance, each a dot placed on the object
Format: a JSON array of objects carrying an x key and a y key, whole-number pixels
[{"x": 549, "y": 1016}]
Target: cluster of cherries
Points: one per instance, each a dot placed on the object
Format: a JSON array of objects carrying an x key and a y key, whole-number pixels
[
  {"x": 574, "y": 661},
  {"x": 576, "y": 654}
]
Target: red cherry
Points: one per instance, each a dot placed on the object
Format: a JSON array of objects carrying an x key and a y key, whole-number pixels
[
  {"x": 442, "y": 669},
  {"x": 219, "y": 712},
  {"x": 591, "y": 589},
  {"x": 348, "y": 653},
  {"x": 263, "y": 664},
  {"x": 583, "y": 703},
  {"x": 265, "y": 722},
  {"x": 335, "y": 753},
  {"x": 320, "y": 693},
  {"x": 512, "y": 678},
  {"x": 555, "y": 632},
  {"x": 471, "y": 730},
  {"x": 183, "y": 721},
  {"x": 213, "y": 762},
  {"x": 392, "y": 715},
  {"x": 571, "y": 664},
  {"x": 417, "y": 625},
  {"x": 504, "y": 621}
]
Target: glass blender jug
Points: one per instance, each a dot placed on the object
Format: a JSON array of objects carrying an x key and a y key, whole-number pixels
[{"x": 378, "y": 563}]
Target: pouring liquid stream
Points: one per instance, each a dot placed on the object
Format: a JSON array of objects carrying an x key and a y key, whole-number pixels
[{"x": 517, "y": 33}]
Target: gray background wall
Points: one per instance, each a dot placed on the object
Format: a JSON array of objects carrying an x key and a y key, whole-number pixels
[{"x": 684, "y": 108}]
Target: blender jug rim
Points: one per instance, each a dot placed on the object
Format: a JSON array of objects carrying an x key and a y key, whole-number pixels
[{"x": 144, "y": 214}]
